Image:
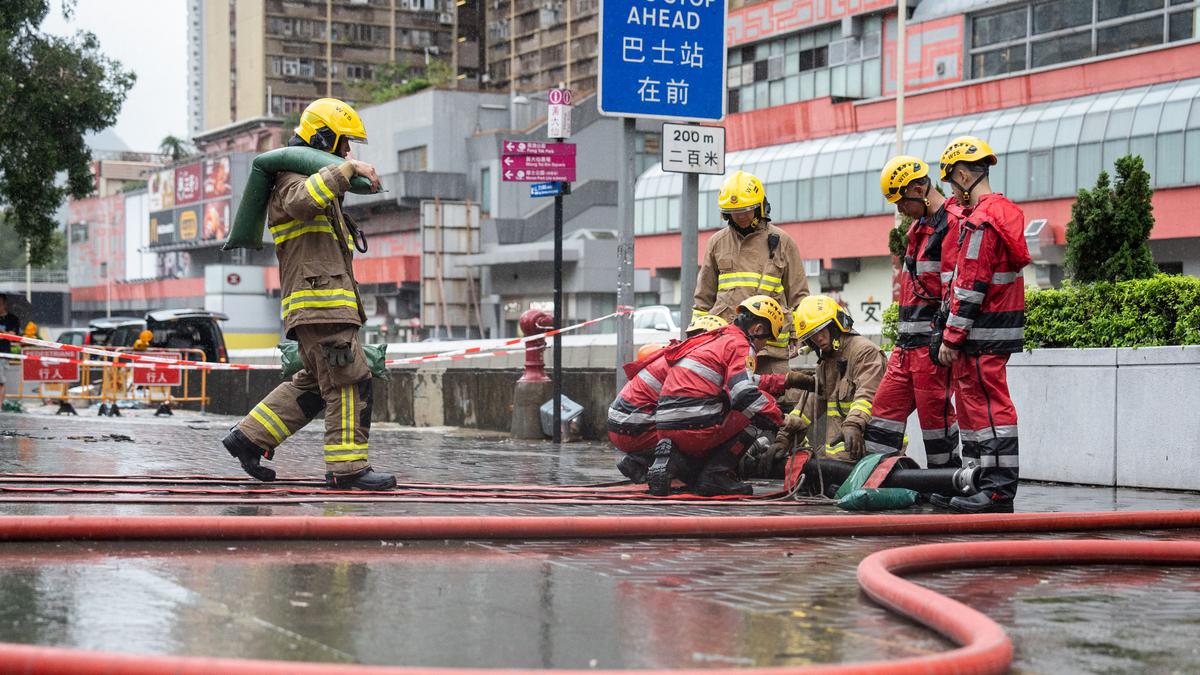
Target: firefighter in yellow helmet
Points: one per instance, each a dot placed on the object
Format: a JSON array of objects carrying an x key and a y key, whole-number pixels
[
  {"x": 321, "y": 309},
  {"x": 849, "y": 370},
  {"x": 748, "y": 257}
]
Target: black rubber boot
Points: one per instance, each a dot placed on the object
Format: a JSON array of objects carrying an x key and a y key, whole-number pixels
[
  {"x": 635, "y": 465},
  {"x": 719, "y": 477},
  {"x": 982, "y": 502},
  {"x": 667, "y": 464},
  {"x": 363, "y": 480},
  {"x": 939, "y": 501},
  {"x": 248, "y": 454}
]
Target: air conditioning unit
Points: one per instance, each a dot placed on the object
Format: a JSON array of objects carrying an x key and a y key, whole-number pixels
[{"x": 446, "y": 17}]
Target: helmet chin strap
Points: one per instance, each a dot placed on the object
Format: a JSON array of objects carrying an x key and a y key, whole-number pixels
[{"x": 966, "y": 190}]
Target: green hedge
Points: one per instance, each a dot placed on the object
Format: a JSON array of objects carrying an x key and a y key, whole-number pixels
[{"x": 1160, "y": 311}]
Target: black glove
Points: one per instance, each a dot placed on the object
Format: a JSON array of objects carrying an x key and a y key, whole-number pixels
[
  {"x": 801, "y": 379},
  {"x": 855, "y": 447},
  {"x": 339, "y": 355}
]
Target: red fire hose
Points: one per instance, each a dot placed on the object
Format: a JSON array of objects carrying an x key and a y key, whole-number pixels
[{"x": 984, "y": 646}]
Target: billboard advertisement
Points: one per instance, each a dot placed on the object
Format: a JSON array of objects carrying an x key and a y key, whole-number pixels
[
  {"x": 216, "y": 178},
  {"x": 162, "y": 227},
  {"x": 161, "y": 188},
  {"x": 187, "y": 184},
  {"x": 188, "y": 223},
  {"x": 216, "y": 220}
]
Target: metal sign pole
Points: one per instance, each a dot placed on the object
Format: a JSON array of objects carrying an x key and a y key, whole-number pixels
[
  {"x": 625, "y": 246},
  {"x": 558, "y": 312},
  {"x": 689, "y": 228}
]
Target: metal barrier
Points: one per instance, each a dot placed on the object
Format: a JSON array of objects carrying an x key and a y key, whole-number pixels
[{"x": 112, "y": 379}]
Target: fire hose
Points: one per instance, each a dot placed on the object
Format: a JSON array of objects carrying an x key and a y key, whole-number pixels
[{"x": 983, "y": 645}]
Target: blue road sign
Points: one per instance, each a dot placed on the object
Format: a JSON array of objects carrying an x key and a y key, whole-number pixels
[
  {"x": 545, "y": 189},
  {"x": 663, "y": 59}
]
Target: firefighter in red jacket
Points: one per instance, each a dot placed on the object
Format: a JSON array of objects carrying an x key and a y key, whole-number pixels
[
  {"x": 711, "y": 408},
  {"x": 985, "y": 302},
  {"x": 913, "y": 380},
  {"x": 631, "y": 415}
]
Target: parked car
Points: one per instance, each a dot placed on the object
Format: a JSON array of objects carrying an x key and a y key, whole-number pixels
[
  {"x": 656, "y": 317},
  {"x": 178, "y": 329},
  {"x": 74, "y": 336},
  {"x": 98, "y": 331}
]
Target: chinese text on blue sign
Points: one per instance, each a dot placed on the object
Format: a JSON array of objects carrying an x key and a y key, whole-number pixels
[{"x": 663, "y": 58}]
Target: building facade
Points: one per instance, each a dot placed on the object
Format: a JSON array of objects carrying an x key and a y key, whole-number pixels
[
  {"x": 255, "y": 58},
  {"x": 1060, "y": 89}
]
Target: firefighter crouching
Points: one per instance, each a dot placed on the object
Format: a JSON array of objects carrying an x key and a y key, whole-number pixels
[
  {"x": 849, "y": 370},
  {"x": 985, "y": 324},
  {"x": 913, "y": 380},
  {"x": 711, "y": 408},
  {"x": 631, "y": 415},
  {"x": 321, "y": 310},
  {"x": 750, "y": 257}
]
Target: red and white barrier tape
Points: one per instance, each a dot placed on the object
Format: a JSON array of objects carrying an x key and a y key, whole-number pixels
[{"x": 139, "y": 360}]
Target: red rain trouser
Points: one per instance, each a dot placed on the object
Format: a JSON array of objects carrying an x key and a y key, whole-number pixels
[
  {"x": 988, "y": 420},
  {"x": 734, "y": 434},
  {"x": 634, "y": 442},
  {"x": 912, "y": 382}
]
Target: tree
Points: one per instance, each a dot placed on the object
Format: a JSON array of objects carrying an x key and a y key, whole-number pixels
[
  {"x": 393, "y": 80},
  {"x": 175, "y": 147},
  {"x": 12, "y": 249},
  {"x": 55, "y": 90},
  {"x": 1109, "y": 228}
]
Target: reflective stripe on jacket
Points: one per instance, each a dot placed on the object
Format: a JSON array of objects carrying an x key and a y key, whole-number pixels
[
  {"x": 711, "y": 381},
  {"x": 987, "y": 299},
  {"x": 736, "y": 267},
  {"x": 316, "y": 274}
]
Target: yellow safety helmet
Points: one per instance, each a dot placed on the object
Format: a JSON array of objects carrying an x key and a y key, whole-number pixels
[
  {"x": 647, "y": 350},
  {"x": 31, "y": 329},
  {"x": 705, "y": 323},
  {"x": 965, "y": 149},
  {"x": 898, "y": 173},
  {"x": 742, "y": 191},
  {"x": 766, "y": 307},
  {"x": 326, "y": 121},
  {"x": 818, "y": 311}
]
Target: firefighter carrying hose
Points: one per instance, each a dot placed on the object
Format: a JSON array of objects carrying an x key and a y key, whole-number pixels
[
  {"x": 985, "y": 323},
  {"x": 849, "y": 370},
  {"x": 711, "y": 408},
  {"x": 321, "y": 309},
  {"x": 913, "y": 380},
  {"x": 750, "y": 257}
]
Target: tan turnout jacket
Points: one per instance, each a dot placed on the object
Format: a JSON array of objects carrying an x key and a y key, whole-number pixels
[
  {"x": 736, "y": 267},
  {"x": 315, "y": 250},
  {"x": 849, "y": 377}
]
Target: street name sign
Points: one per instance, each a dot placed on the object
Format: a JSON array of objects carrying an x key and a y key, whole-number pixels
[
  {"x": 690, "y": 148},
  {"x": 662, "y": 59},
  {"x": 551, "y": 189},
  {"x": 530, "y": 162}
]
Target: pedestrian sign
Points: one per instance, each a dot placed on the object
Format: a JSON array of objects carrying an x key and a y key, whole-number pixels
[
  {"x": 49, "y": 365},
  {"x": 690, "y": 148},
  {"x": 161, "y": 375},
  {"x": 662, "y": 59}
]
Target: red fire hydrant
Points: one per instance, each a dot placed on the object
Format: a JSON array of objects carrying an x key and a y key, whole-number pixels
[{"x": 535, "y": 322}]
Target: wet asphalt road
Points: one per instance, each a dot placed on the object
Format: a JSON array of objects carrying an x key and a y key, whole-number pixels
[{"x": 561, "y": 604}]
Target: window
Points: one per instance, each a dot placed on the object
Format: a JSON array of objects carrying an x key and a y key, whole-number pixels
[
  {"x": 1048, "y": 33},
  {"x": 79, "y": 233},
  {"x": 996, "y": 28},
  {"x": 1053, "y": 16},
  {"x": 412, "y": 159},
  {"x": 796, "y": 68}
]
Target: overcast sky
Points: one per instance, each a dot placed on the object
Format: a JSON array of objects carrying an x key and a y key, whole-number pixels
[{"x": 148, "y": 37}]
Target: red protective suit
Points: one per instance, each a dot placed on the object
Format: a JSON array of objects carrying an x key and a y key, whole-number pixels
[
  {"x": 711, "y": 398},
  {"x": 631, "y": 415},
  {"x": 912, "y": 379},
  {"x": 986, "y": 322}
]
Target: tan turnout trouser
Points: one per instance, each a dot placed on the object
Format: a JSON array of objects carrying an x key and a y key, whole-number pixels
[{"x": 343, "y": 393}]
